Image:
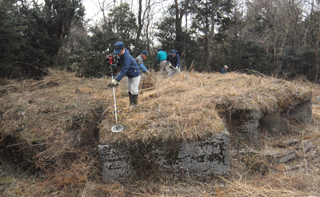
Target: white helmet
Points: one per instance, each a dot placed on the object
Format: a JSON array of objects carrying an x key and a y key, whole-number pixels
[{"x": 225, "y": 66}]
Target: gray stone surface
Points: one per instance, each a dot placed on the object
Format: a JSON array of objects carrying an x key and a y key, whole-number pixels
[
  {"x": 194, "y": 159},
  {"x": 285, "y": 154},
  {"x": 276, "y": 123},
  {"x": 290, "y": 142},
  {"x": 210, "y": 156},
  {"x": 305, "y": 146},
  {"x": 244, "y": 123},
  {"x": 302, "y": 112}
]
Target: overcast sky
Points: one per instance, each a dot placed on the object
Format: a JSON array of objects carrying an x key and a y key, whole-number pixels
[{"x": 93, "y": 7}]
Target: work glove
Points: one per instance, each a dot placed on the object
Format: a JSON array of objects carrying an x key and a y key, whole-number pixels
[
  {"x": 113, "y": 83},
  {"x": 146, "y": 72},
  {"x": 177, "y": 68}
]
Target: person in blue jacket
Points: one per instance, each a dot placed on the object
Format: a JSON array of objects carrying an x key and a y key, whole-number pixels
[
  {"x": 130, "y": 68},
  {"x": 173, "y": 60},
  {"x": 224, "y": 69},
  {"x": 162, "y": 60},
  {"x": 139, "y": 60}
]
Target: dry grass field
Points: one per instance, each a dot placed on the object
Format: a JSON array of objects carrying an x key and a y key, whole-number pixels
[{"x": 50, "y": 130}]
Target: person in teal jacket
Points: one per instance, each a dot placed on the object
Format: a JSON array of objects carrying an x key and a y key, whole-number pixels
[{"x": 162, "y": 60}]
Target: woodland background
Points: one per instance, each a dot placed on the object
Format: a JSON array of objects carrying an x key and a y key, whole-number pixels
[{"x": 279, "y": 38}]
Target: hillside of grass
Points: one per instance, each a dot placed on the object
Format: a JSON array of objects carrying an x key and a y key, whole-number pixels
[{"x": 50, "y": 130}]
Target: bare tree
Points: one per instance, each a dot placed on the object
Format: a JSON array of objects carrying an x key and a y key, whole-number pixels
[
  {"x": 180, "y": 10},
  {"x": 144, "y": 17},
  {"x": 276, "y": 25}
]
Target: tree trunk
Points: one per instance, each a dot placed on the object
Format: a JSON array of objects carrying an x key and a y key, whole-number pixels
[
  {"x": 184, "y": 53},
  {"x": 136, "y": 52},
  {"x": 316, "y": 51},
  {"x": 211, "y": 32},
  {"x": 179, "y": 37},
  {"x": 206, "y": 44}
]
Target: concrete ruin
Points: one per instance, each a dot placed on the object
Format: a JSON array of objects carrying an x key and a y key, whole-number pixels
[
  {"x": 246, "y": 122},
  {"x": 176, "y": 159},
  {"x": 206, "y": 156},
  {"x": 197, "y": 158}
]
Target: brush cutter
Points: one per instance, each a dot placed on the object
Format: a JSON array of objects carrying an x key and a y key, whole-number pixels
[{"x": 116, "y": 128}]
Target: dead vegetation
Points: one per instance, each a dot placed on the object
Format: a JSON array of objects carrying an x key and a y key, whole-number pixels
[
  {"x": 51, "y": 128},
  {"x": 183, "y": 107}
]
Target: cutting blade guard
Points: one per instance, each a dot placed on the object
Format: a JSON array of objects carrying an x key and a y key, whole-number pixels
[{"x": 117, "y": 128}]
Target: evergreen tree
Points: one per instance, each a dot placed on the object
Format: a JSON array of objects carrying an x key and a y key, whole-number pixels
[
  {"x": 11, "y": 26},
  {"x": 37, "y": 33},
  {"x": 211, "y": 20},
  {"x": 123, "y": 23}
]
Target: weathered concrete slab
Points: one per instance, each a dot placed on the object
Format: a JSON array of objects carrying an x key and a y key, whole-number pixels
[
  {"x": 302, "y": 112},
  {"x": 286, "y": 143},
  {"x": 276, "y": 123},
  {"x": 286, "y": 153},
  {"x": 244, "y": 122},
  {"x": 276, "y": 155},
  {"x": 290, "y": 142},
  {"x": 305, "y": 146},
  {"x": 194, "y": 159},
  {"x": 285, "y": 156}
]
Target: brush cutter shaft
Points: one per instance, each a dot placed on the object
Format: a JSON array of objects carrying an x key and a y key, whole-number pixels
[
  {"x": 115, "y": 105},
  {"x": 116, "y": 128},
  {"x": 111, "y": 60},
  {"x": 170, "y": 65},
  {"x": 177, "y": 69}
]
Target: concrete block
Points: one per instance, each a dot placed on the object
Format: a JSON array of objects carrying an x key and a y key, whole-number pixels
[
  {"x": 305, "y": 146},
  {"x": 302, "y": 112},
  {"x": 285, "y": 156},
  {"x": 177, "y": 159},
  {"x": 244, "y": 122},
  {"x": 276, "y": 123}
]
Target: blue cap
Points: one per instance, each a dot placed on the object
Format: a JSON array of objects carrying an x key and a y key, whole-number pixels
[
  {"x": 118, "y": 46},
  {"x": 173, "y": 51},
  {"x": 145, "y": 52},
  {"x": 160, "y": 48}
]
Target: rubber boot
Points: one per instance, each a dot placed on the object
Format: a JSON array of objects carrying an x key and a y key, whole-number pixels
[
  {"x": 135, "y": 101},
  {"x": 130, "y": 98}
]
